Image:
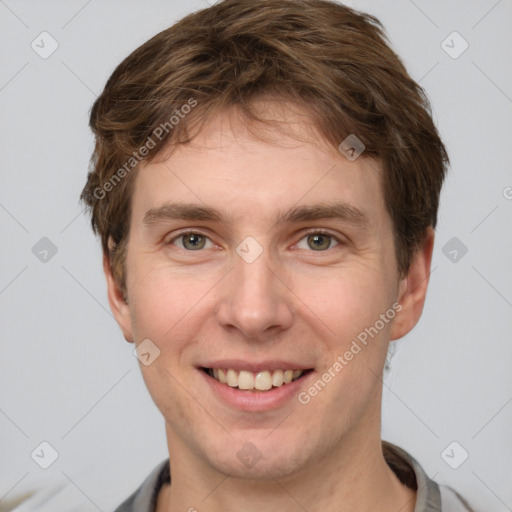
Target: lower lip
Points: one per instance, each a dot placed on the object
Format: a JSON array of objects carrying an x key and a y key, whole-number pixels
[{"x": 256, "y": 400}]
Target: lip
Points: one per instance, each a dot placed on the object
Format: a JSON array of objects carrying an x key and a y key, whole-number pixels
[
  {"x": 241, "y": 365},
  {"x": 256, "y": 401}
]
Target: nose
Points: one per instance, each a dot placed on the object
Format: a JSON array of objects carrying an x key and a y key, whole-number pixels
[{"x": 255, "y": 299}]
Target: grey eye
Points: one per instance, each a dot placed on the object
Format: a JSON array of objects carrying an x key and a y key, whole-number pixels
[
  {"x": 192, "y": 241},
  {"x": 319, "y": 241}
]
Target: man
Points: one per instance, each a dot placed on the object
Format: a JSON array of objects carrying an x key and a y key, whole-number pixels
[{"x": 265, "y": 183}]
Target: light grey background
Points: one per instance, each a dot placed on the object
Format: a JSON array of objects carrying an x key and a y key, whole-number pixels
[{"x": 67, "y": 375}]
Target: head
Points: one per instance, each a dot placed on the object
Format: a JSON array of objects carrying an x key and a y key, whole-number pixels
[{"x": 227, "y": 126}]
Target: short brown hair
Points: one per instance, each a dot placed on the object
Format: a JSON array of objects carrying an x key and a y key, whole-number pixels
[{"x": 335, "y": 61}]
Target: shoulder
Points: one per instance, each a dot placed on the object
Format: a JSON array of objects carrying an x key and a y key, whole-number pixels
[
  {"x": 452, "y": 501},
  {"x": 430, "y": 496},
  {"x": 144, "y": 499}
]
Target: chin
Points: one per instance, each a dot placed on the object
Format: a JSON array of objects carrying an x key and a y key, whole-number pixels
[
  {"x": 261, "y": 456},
  {"x": 263, "y": 469}
]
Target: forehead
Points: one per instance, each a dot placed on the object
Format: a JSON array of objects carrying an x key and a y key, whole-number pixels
[{"x": 239, "y": 174}]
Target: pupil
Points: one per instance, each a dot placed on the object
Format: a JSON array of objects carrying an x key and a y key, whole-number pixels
[
  {"x": 194, "y": 240},
  {"x": 321, "y": 238}
]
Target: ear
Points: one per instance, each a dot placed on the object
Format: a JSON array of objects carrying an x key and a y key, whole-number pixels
[
  {"x": 117, "y": 302},
  {"x": 413, "y": 289}
]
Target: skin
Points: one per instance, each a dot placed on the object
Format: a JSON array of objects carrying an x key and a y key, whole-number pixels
[{"x": 294, "y": 302}]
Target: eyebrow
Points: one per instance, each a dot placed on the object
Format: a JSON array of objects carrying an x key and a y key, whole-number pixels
[{"x": 197, "y": 212}]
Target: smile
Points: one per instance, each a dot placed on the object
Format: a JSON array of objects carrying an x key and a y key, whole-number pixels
[{"x": 264, "y": 380}]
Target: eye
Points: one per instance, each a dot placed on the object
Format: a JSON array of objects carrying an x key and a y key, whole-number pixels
[
  {"x": 319, "y": 241},
  {"x": 191, "y": 241},
  {"x": 194, "y": 241}
]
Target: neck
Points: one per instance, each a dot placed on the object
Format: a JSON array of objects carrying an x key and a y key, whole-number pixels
[{"x": 355, "y": 476}]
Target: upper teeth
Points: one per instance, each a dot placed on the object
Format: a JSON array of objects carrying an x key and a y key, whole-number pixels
[{"x": 262, "y": 381}]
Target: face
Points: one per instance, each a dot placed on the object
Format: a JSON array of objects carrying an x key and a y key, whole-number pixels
[{"x": 257, "y": 262}]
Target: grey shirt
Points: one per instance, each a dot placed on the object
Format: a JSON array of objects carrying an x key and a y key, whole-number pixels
[{"x": 430, "y": 496}]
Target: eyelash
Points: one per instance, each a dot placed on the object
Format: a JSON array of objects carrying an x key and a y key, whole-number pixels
[{"x": 310, "y": 232}]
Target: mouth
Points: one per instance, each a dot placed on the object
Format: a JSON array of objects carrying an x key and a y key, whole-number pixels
[{"x": 261, "y": 381}]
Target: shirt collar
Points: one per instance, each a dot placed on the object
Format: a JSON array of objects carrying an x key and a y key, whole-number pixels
[
  {"x": 407, "y": 469},
  {"x": 409, "y": 472}
]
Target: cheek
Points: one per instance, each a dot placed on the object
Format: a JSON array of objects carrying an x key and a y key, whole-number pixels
[
  {"x": 164, "y": 309},
  {"x": 354, "y": 342},
  {"x": 162, "y": 302},
  {"x": 348, "y": 302}
]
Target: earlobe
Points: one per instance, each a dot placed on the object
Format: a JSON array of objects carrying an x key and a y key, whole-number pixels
[
  {"x": 413, "y": 289},
  {"x": 116, "y": 299}
]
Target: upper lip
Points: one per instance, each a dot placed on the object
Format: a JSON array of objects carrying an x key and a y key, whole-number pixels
[{"x": 254, "y": 366}]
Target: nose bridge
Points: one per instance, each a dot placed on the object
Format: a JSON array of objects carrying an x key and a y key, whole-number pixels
[{"x": 255, "y": 300}]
